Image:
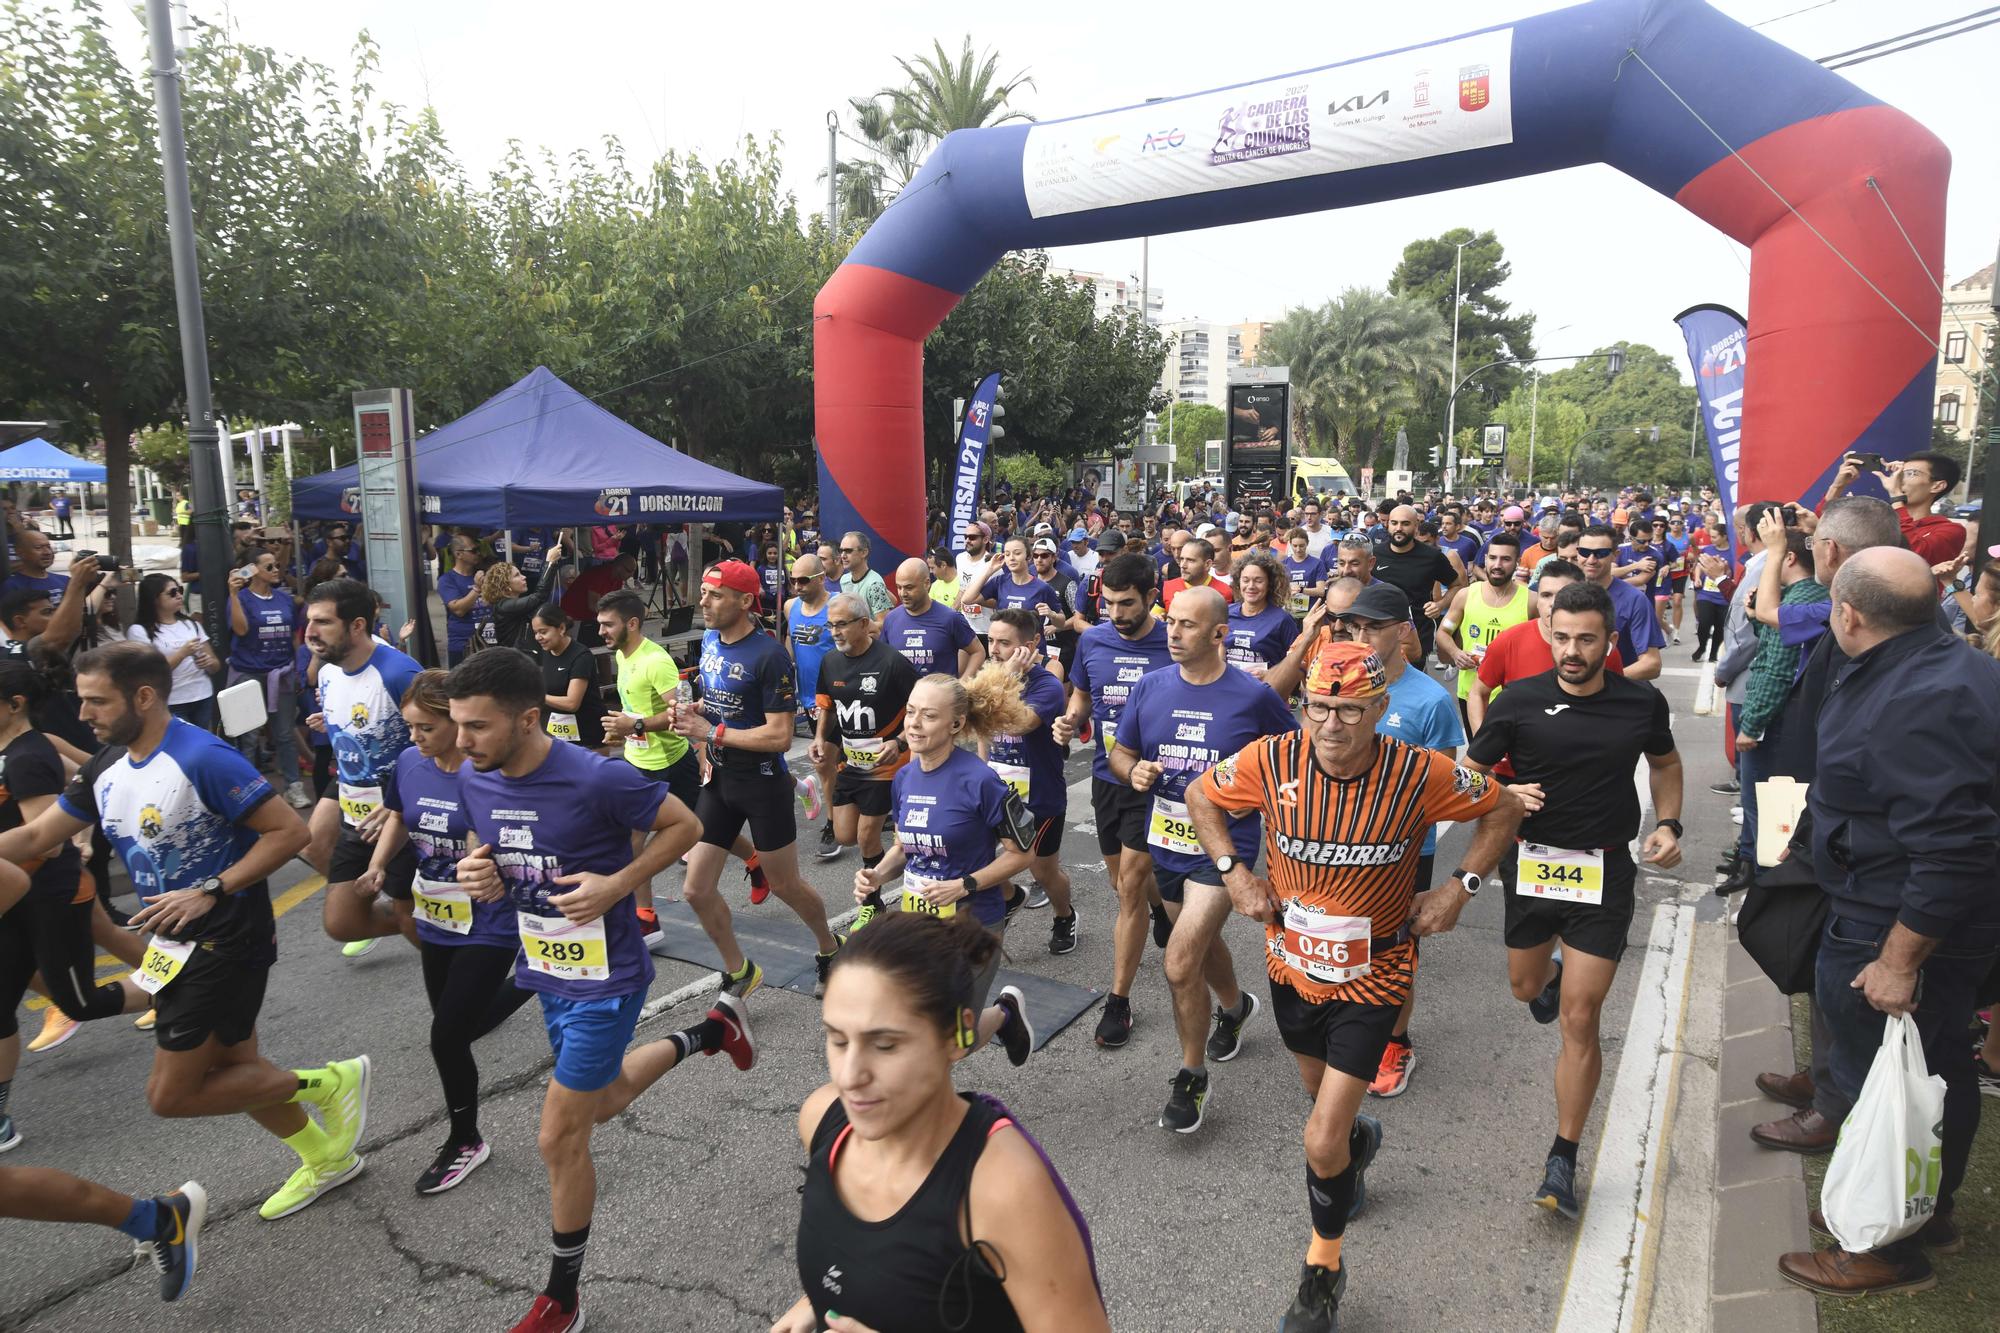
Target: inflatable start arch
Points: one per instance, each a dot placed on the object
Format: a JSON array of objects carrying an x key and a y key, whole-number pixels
[{"x": 1734, "y": 127}]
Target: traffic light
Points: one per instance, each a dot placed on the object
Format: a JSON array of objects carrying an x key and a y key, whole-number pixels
[
  {"x": 1434, "y": 455},
  {"x": 1614, "y": 361}
]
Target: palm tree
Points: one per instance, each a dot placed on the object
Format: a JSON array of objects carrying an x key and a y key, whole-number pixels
[
  {"x": 1358, "y": 361},
  {"x": 900, "y": 126}
]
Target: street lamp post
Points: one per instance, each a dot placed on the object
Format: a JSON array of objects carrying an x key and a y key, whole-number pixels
[
  {"x": 1614, "y": 359},
  {"x": 1534, "y": 403},
  {"x": 1451, "y": 404}
]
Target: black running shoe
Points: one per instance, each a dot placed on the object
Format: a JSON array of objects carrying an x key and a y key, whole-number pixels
[
  {"x": 1227, "y": 1039},
  {"x": 1114, "y": 1027},
  {"x": 1062, "y": 933},
  {"x": 1013, "y": 909},
  {"x": 1163, "y": 926},
  {"x": 1016, "y": 1033},
  {"x": 1186, "y": 1102},
  {"x": 1558, "y": 1191},
  {"x": 823, "y": 965},
  {"x": 1316, "y": 1309},
  {"x": 1363, "y": 1142},
  {"x": 1726, "y": 787},
  {"x": 454, "y": 1162},
  {"x": 173, "y": 1251},
  {"x": 1548, "y": 1004},
  {"x": 828, "y": 849}
]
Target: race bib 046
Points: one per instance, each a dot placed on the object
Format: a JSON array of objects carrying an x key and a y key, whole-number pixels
[{"x": 1326, "y": 949}]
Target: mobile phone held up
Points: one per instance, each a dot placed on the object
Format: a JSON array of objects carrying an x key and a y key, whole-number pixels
[{"x": 1869, "y": 462}]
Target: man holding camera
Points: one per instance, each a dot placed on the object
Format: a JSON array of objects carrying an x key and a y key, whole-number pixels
[{"x": 1913, "y": 487}]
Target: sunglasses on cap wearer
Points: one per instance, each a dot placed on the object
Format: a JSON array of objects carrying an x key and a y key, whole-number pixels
[{"x": 1595, "y": 552}]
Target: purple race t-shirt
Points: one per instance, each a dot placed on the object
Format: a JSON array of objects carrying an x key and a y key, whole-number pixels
[
  {"x": 1189, "y": 729},
  {"x": 931, "y": 641},
  {"x": 948, "y": 821},
  {"x": 576, "y": 812},
  {"x": 433, "y": 813},
  {"x": 1106, "y": 667}
]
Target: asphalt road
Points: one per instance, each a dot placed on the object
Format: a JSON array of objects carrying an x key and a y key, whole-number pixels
[{"x": 697, "y": 1182}]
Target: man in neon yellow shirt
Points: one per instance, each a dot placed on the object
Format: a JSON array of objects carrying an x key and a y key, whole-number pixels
[{"x": 648, "y": 688}]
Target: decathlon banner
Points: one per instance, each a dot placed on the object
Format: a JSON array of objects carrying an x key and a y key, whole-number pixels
[
  {"x": 973, "y": 433},
  {"x": 1716, "y": 341}
]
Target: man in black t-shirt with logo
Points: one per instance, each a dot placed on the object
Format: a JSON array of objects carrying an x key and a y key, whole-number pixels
[
  {"x": 1574, "y": 736},
  {"x": 861, "y": 691},
  {"x": 1424, "y": 573}
]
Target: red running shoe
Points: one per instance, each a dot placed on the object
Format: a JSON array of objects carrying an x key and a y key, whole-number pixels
[
  {"x": 734, "y": 1016},
  {"x": 760, "y": 887},
  {"x": 545, "y": 1316}
]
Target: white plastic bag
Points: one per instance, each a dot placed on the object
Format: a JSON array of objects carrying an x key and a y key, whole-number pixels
[
  {"x": 1704, "y": 693},
  {"x": 1883, "y": 1181},
  {"x": 1780, "y": 802}
]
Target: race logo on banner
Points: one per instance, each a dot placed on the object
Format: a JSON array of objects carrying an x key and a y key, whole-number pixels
[
  {"x": 973, "y": 434},
  {"x": 1717, "y": 344}
]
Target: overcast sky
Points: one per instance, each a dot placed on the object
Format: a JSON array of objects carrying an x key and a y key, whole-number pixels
[{"x": 1591, "y": 249}]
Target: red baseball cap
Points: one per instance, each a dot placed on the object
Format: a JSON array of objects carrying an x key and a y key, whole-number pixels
[{"x": 736, "y": 575}]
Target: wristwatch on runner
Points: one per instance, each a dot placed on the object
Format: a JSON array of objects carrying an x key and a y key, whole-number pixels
[
  {"x": 1673, "y": 824},
  {"x": 1469, "y": 880},
  {"x": 1225, "y": 864},
  {"x": 212, "y": 886}
]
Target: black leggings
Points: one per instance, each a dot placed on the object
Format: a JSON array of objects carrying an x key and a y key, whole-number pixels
[
  {"x": 53, "y": 938},
  {"x": 1708, "y": 620},
  {"x": 472, "y": 992}
]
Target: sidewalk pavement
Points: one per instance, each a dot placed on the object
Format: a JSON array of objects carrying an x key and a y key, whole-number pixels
[{"x": 1761, "y": 1201}]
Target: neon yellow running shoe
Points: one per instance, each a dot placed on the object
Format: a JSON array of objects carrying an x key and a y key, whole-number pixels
[
  {"x": 358, "y": 948},
  {"x": 308, "y": 1183},
  {"x": 344, "y": 1110}
]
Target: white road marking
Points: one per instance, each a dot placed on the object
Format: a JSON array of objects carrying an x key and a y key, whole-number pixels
[{"x": 1616, "y": 1237}]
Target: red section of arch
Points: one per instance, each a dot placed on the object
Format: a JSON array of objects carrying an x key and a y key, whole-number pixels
[
  {"x": 1826, "y": 354},
  {"x": 868, "y": 371}
]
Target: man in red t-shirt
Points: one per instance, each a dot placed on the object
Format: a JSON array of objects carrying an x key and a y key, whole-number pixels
[
  {"x": 1522, "y": 650},
  {"x": 1197, "y": 555},
  {"x": 1914, "y": 485}
]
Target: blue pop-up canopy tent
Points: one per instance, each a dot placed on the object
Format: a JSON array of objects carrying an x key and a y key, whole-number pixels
[
  {"x": 540, "y": 454},
  {"x": 38, "y": 460}
]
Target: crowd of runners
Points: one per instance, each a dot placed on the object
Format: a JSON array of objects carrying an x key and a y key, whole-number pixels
[{"x": 1269, "y": 736}]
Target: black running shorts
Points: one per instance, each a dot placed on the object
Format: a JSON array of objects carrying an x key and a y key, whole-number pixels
[
  {"x": 1121, "y": 817},
  {"x": 730, "y": 799},
  {"x": 1048, "y": 834},
  {"x": 1343, "y": 1034},
  {"x": 682, "y": 778},
  {"x": 213, "y": 996},
  {"x": 868, "y": 797},
  {"x": 350, "y": 860},
  {"x": 1599, "y": 930}
]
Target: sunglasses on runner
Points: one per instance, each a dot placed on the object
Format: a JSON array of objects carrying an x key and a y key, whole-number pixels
[{"x": 1595, "y": 552}]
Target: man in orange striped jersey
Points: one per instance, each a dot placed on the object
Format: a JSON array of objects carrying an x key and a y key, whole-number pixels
[{"x": 1345, "y": 811}]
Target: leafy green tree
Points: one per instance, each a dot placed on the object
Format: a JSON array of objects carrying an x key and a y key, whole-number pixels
[
  {"x": 1077, "y": 386},
  {"x": 1189, "y": 427},
  {"x": 899, "y": 125},
  {"x": 1639, "y": 420},
  {"x": 1358, "y": 364},
  {"x": 1488, "y": 326}
]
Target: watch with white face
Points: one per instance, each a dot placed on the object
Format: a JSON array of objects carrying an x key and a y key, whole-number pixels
[
  {"x": 1225, "y": 864},
  {"x": 1469, "y": 880}
]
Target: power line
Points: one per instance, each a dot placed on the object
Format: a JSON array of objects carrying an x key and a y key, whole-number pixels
[
  {"x": 1792, "y": 14},
  {"x": 1841, "y": 56},
  {"x": 1911, "y": 46}
]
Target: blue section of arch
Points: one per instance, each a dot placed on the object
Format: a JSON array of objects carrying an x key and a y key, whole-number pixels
[{"x": 1577, "y": 98}]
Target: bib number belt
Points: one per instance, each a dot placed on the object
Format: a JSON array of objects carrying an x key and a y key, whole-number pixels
[
  {"x": 914, "y": 900},
  {"x": 557, "y": 947},
  {"x": 162, "y": 963},
  {"x": 357, "y": 803},
  {"x": 1561, "y": 874},
  {"x": 443, "y": 905},
  {"x": 1326, "y": 949},
  {"x": 1170, "y": 828}
]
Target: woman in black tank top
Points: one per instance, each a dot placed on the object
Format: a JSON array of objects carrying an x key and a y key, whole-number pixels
[{"x": 923, "y": 1208}]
